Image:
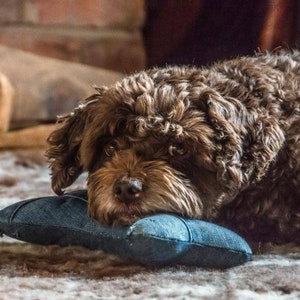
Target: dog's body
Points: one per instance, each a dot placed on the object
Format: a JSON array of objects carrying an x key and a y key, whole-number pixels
[{"x": 221, "y": 144}]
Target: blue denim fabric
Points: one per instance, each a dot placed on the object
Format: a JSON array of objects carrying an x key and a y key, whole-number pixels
[{"x": 156, "y": 240}]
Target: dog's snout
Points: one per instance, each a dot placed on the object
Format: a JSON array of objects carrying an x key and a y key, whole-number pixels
[{"x": 128, "y": 190}]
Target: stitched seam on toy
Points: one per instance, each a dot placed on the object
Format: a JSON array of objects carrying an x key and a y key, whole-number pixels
[
  {"x": 191, "y": 243},
  {"x": 131, "y": 234},
  {"x": 122, "y": 238},
  {"x": 36, "y": 199},
  {"x": 18, "y": 207},
  {"x": 76, "y": 197},
  {"x": 76, "y": 230},
  {"x": 190, "y": 239},
  {"x": 187, "y": 228}
]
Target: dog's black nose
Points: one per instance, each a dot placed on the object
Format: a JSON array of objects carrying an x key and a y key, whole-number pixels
[{"x": 128, "y": 190}]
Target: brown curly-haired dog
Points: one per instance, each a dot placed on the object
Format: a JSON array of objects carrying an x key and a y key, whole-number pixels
[{"x": 219, "y": 143}]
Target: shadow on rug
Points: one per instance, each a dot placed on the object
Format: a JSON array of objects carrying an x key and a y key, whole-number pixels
[{"x": 22, "y": 259}]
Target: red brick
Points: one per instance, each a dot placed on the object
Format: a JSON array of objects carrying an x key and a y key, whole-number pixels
[
  {"x": 122, "y": 53},
  {"x": 119, "y": 51},
  {"x": 42, "y": 42},
  {"x": 9, "y": 11},
  {"x": 103, "y": 13},
  {"x": 39, "y": 11}
]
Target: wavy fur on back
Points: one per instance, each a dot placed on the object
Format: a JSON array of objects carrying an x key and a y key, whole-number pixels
[{"x": 218, "y": 143}]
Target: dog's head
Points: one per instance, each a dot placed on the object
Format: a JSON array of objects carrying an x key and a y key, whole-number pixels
[{"x": 159, "y": 141}]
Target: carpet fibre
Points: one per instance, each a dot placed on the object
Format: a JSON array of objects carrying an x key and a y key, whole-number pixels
[{"x": 38, "y": 272}]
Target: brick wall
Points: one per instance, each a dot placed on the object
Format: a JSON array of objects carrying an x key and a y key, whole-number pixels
[{"x": 102, "y": 33}]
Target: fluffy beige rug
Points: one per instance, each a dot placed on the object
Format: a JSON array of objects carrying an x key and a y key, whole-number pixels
[{"x": 38, "y": 272}]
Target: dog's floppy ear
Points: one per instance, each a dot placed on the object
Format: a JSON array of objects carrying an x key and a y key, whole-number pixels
[{"x": 65, "y": 143}]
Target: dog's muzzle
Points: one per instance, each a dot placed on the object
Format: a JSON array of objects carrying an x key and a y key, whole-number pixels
[{"x": 127, "y": 190}]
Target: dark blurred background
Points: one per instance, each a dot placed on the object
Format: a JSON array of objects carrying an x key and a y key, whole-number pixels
[
  {"x": 202, "y": 31},
  {"x": 130, "y": 35}
]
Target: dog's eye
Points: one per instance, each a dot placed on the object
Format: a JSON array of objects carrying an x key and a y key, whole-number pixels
[
  {"x": 177, "y": 149},
  {"x": 110, "y": 149}
]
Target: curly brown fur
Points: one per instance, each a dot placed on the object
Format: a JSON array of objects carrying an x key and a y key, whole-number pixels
[{"x": 219, "y": 143}]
